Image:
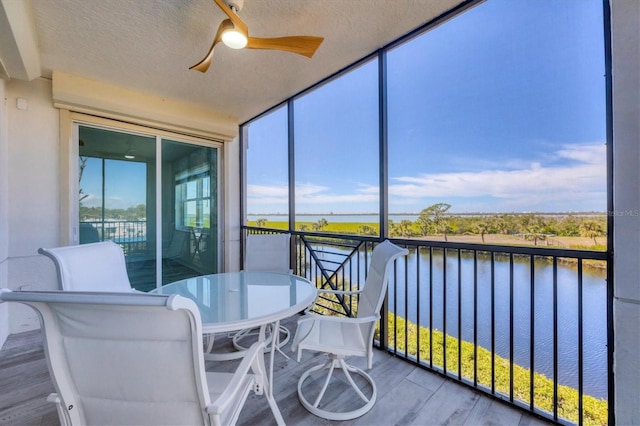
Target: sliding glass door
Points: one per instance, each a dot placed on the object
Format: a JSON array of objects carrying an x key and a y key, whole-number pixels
[
  {"x": 157, "y": 198},
  {"x": 189, "y": 209}
]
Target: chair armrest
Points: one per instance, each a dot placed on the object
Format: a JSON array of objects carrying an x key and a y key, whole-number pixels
[
  {"x": 345, "y": 292},
  {"x": 313, "y": 317},
  {"x": 338, "y": 292},
  {"x": 309, "y": 322},
  {"x": 65, "y": 420},
  {"x": 3, "y": 291},
  {"x": 235, "y": 385}
]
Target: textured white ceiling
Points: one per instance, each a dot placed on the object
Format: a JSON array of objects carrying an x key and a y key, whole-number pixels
[{"x": 148, "y": 45}]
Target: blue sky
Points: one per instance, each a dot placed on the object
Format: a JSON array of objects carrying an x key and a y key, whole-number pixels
[
  {"x": 120, "y": 193},
  {"x": 501, "y": 109}
]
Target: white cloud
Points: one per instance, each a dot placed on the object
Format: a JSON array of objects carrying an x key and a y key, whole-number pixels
[
  {"x": 329, "y": 199},
  {"x": 309, "y": 190},
  {"x": 92, "y": 200},
  {"x": 586, "y": 174},
  {"x": 571, "y": 178},
  {"x": 260, "y": 191},
  {"x": 500, "y": 183},
  {"x": 585, "y": 153},
  {"x": 114, "y": 202},
  {"x": 305, "y": 194}
]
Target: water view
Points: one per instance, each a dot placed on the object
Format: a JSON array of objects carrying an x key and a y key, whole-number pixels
[
  {"x": 419, "y": 285},
  {"x": 594, "y": 306}
]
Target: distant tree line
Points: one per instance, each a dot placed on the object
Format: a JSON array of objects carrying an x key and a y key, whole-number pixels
[
  {"x": 138, "y": 212},
  {"x": 436, "y": 220}
]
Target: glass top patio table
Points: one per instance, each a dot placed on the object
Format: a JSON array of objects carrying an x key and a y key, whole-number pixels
[{"x": 237, "y": 300}]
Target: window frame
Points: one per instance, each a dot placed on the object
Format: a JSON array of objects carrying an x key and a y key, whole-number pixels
[{"x": 69, "y": 172}]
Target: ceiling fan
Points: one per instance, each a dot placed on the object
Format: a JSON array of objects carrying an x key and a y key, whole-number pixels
[{"x": 235, "y": 34}]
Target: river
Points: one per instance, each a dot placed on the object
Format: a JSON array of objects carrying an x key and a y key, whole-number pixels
[{"x": 594, "y": 308}]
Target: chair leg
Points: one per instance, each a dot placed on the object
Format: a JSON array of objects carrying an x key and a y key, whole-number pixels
[
  {"x": 209, "y": 340},
  {"x": 346, "y": 368},
  {"x": 334, "y": 362},
  {"x": 331, "y": 366},
  {"x": 275, "y": 410},
  {"x": 247, "y": 333},
  {"x": 265, "y": 382}
]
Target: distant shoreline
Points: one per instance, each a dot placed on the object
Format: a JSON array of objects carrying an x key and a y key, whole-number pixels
[{"x": 446, "y": 214}]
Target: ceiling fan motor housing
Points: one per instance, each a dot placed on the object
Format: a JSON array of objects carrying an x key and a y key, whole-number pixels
[
  {"x": 237, "y": 4},
  {"x": 234, "y": 33}
]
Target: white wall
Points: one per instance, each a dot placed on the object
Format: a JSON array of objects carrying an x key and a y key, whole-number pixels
[
  {"x": 626, "y": 135},
  {"x": 33, "y": 168},
  {"x": 4, "y": 216},
  {"x": 34, "y": 192},
  {"x": 32, "y": 180}
]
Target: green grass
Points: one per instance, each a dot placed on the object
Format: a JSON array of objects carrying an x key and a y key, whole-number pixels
[
  {"x": 355, "y": 227},
  {"x": 595, "y": 410},
  {"x": 274, "y": 225},
  {"x": 597, "y": 247},
  {"x": 340, "y": 227}
]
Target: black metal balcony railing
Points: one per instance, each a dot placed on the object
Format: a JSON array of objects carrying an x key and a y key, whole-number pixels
[
  {"x": 526, "y": 325},
  {"x": 131, "y": 235}
]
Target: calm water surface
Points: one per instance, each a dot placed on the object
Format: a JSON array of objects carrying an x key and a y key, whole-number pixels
[{"x": 423, "y": 281}]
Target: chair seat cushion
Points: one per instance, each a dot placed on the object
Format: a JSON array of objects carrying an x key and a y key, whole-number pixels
[{"x": 335, "y": 337}]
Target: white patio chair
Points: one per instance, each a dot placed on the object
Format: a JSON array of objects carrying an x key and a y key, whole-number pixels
[
  {"x": 175, "y": 251},
  {"x": 136, "y": 358},
  {"x": 340, "y": 337},
  {"x": 90, "y": 267},
  {"x": 268, "y": 253},
  {"x": 265, "y": 253}
]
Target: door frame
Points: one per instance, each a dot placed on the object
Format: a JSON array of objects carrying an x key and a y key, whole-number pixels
[{"x": 69, "y": 173}]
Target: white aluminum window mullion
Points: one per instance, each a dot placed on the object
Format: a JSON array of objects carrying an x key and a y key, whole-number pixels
[{"x": 159, "y": 242}]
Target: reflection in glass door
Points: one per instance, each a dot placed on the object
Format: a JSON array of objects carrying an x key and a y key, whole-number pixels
[
  {"x": 117, "y": 201},
  {"x": 117, "y": 197},
  {"x": 189, "y": 210}
]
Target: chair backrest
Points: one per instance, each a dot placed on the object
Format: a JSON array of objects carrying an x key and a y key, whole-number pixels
[
  {"x": 177, "y": 246},
  {"x": 375, "y": 286},
  {"x": 268, "y": 252},
  {"x": 90, "y": 267},
  {"x": 119, "y": 358}
]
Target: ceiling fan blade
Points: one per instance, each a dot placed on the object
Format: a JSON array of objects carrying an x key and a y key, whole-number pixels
[
  {"x": 232, "y": 16},
  {"x": 204, "y": 64},
  {"x": 302, "y": 45}
]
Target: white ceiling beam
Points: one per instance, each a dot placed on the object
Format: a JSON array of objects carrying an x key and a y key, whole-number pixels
[
  {"x": 19, "y": 54},
  {"x": 83, "y": 95}
]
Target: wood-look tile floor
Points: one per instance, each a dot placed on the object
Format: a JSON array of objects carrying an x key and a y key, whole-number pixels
[{"x": 407, "y": 395}]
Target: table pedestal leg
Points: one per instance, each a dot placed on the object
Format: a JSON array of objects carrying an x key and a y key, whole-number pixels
[{"x": 275, "y": 339}]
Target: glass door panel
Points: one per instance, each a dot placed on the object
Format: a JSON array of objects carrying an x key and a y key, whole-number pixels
[
  {"x": 189, "y": 210},
  {"x": 117, "y": 197}
]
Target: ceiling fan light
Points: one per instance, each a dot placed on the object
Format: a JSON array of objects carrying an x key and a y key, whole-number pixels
[{"x": 234, "y": 39}]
